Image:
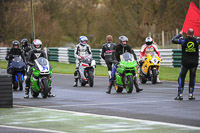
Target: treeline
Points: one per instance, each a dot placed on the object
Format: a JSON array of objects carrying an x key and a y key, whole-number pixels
[{"x": 61, "y": 22}]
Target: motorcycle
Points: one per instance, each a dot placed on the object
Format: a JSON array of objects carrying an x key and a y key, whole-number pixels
[
  {"x": 149, "y": 69},
  {"x": 17, "y": 68},
  {"x": 41, "y": 77},
  {"x": 87, "y": 71},
  {"x": 125, "y": 73}
]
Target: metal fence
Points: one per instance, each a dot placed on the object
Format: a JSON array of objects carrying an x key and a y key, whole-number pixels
[{"x": 170, "y": 57}]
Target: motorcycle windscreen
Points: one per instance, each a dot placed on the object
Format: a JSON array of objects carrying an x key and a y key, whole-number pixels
[
  {"x": 42, "y": 61},
  {"x": 17, "y": 62},
  {"x": 127, "y": 57}
]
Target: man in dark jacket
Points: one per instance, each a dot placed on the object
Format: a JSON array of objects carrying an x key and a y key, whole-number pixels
[
  {"x": 107, "y": 53},
  {"x": 189, "y": 61},
  {"x": 25, "y": 47},
  {"x": 121, "y": 48},
  {"x": 14, "y": 51}
]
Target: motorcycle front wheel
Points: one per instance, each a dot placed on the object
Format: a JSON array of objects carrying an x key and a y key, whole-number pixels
[
  {"x": 154, "y": 76},
  {"x": 19, "y": 77},
  {"x": 90, "y": 78},
  {"x": 129, "y": 84},
  {"x": 45, "y": 88}
]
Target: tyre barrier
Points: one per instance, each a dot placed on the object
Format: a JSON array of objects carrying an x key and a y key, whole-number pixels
[{"x": 6, "y": 95}]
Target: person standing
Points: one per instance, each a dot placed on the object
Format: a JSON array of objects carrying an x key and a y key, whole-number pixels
[
  {"x": 189, "y": 61},
  {"x": 107, "y": 53}
]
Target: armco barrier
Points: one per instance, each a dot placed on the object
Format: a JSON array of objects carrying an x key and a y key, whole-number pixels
[{"x": 170, "y": 57}]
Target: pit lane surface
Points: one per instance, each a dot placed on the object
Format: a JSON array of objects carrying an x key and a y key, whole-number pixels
[{"x": 155, "y": 103}]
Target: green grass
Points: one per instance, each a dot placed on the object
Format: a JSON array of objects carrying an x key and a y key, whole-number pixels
[{"x": 166, "y": 73}]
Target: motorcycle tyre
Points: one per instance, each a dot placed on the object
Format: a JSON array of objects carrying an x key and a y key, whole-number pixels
[
  {"x": 90, "y": 78},
  {"x": 118, "y": 89},
  {"x": 142, "y": 80},
  {"x": 130, "y": 85},
  {"x": 20, "y": 82},
  {"x": 34, "y": 94},
  {"x": 15, "y": 86},
  {"x": 45, "y": 89},
  {"x": 154, "y": 76}
]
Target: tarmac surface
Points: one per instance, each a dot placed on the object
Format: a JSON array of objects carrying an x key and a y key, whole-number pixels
[{"x": 155, "y": 102}]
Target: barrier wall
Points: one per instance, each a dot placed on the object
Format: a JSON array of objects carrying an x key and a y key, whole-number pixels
[{"x": 170, "y": 57}]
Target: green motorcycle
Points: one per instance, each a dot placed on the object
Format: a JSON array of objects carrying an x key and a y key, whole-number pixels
[
  {"x": 41, "y": 78},
  {"x": 125, "y": 73}
]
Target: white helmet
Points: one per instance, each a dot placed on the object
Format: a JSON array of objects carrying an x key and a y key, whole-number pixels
[
  {"x": 148, "y": 41},
  {"x": 37, "y": 42}
]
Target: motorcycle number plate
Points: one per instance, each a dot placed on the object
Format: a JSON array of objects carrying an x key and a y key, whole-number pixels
[{"x": 155, "y": 61}]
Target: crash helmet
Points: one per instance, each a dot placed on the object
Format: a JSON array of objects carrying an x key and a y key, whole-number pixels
[
  {"x": 15, "y": 44},
  {"x": 24, "y": 42},
  {"x": 37, "y": 44},
  {"x": 123, "y": 40},
  {"x": 83, "y": 40},
  {"x": 148, "y": 41}
]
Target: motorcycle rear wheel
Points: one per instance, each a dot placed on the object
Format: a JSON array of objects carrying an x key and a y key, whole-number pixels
[
  {"x": 118, "y": 89},
  {"x": 142, "y": 80}
]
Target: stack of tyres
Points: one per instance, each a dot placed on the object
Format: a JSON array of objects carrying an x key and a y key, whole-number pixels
[{"x": 6, "y": 96}]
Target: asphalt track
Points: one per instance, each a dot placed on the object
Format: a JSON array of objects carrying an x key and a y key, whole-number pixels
[{"x": 155, "y": 102}]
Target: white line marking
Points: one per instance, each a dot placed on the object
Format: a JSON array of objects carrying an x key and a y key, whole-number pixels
[
  {"x": 33, "y": 129},
  {"x": 117, "y": 117},
  {"x": 99, "y": 104}
]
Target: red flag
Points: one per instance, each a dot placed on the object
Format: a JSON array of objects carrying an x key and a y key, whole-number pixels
[{"x": 192, "y": 20}]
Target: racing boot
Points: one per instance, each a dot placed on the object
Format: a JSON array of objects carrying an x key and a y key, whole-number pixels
[
  {"x": 75, "y": 78},
  {"x": 50, "y": 94},
  {"x": 109, "y": 87},
  {"x": 75, "y": 82},
  {"x": 138, "y": 89},
  {"x": 158, "y": 80},
  {"x": 179, "y": 97},
  {"x": 180, "y": 94},
  {"x": 109, "y": 74},
  {"x": 191, "y": 96},
  {"x": 26, "y": 92}
]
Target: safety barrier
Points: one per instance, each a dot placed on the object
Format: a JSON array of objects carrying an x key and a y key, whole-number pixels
[{"x": 170, "y": 57}]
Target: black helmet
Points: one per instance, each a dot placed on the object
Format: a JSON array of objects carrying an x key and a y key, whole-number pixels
[
  {"x": 123, "y": 39},
  {"x": 15, "y": 43},
  {"x": 24, "y": 41}
]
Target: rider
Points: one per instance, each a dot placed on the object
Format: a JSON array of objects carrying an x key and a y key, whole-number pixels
[
  {"x": 14, "y": 51},
  {"x": 107, "y": 53},
  {"x": 25, "y": 47},
  {"x": 80, "y": 50},
  {"x": 121, "y": 48},
  {"x": 35, "y": 53},
  {"x": 147, "y": 48}
]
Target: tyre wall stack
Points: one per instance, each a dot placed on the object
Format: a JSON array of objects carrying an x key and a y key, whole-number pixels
[{"x": 6, "y": 94}]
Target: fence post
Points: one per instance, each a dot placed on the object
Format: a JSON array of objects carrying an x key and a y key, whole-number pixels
[{"x": 163, "y": 39}]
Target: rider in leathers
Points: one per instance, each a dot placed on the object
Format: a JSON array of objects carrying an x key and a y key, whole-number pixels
[
  {"x": 120, "y": 49},
  {"x": 147, "y": 48},
  {"x": 80, "y": 50},
  {"x": 14, "y": 51},
  {"x": 25, "y": 47},
  {"x": 107, "y": 53},
  {"x": 35, "y": 53}
]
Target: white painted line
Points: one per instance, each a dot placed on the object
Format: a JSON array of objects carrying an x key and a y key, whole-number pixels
[
  {"x": 117, "y": 117},
  {"x": 33, "y": 129},
  {"x": 113, "y": 103}
]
